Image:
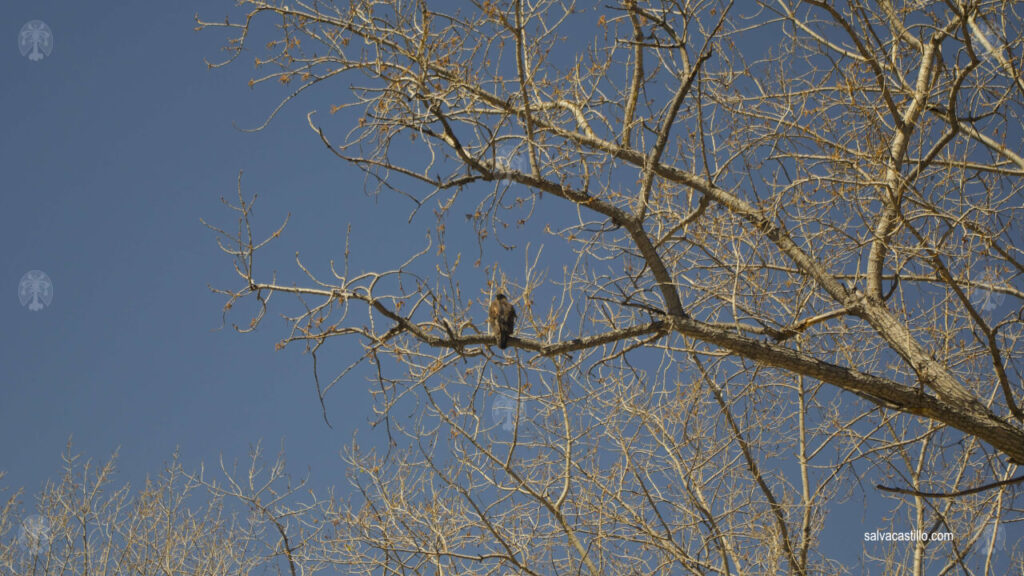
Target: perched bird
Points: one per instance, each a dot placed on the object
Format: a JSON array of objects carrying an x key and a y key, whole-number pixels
[{"x": 501, "y": 317}]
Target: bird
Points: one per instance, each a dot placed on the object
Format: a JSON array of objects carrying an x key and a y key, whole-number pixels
[{"x": 501, "y": 316}]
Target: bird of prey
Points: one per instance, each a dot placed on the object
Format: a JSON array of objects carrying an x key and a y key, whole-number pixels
[{"x": 501, "y": 316}]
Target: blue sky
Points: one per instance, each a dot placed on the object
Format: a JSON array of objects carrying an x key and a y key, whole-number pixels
[{"x": 112, "y": 149}]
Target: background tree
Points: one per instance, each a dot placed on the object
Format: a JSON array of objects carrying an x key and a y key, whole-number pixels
[
  {"x": 788, "y": 249},
  {"x": 247, "y": 520}
]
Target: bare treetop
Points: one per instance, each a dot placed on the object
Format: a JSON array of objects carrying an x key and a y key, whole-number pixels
[{"x": 758, "y": 199}]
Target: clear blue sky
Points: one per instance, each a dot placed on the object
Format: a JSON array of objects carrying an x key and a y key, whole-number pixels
[{"x": 111, "y": 150}]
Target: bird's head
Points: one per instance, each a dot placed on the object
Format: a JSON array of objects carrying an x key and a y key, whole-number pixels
[{"x": 499, "y": 296}]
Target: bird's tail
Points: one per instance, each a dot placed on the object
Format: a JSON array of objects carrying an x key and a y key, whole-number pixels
[{"x": 502, "y": 339}]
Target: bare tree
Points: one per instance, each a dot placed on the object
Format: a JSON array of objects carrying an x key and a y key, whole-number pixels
[
  {"x": 178, "y": 523},
  {"x": 789, "y": 247}
]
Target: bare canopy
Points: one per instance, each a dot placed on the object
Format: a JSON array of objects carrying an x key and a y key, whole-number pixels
[{"x": 748, "y": 201}]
